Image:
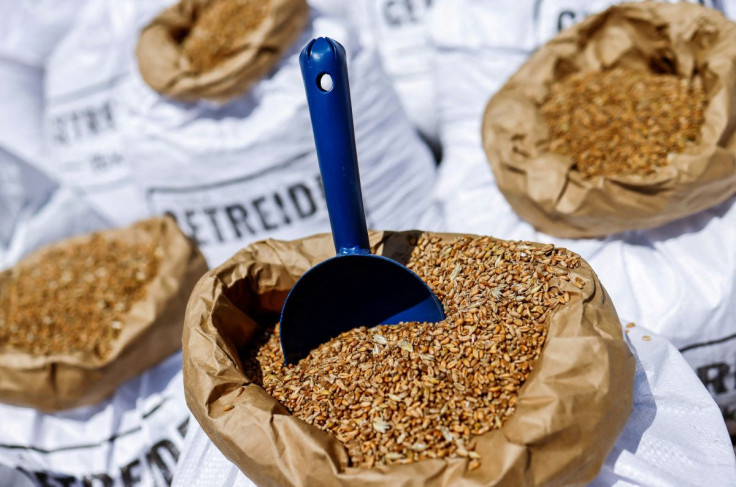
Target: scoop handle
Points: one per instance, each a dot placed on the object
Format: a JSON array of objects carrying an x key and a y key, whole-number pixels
[{"x": 325, "y": 73}]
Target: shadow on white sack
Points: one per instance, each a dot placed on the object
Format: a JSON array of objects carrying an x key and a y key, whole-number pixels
[
  {"x": 673, "y": 437},
  {"x": 679, "y": 279},
  {"x": 35, "y": 210}
]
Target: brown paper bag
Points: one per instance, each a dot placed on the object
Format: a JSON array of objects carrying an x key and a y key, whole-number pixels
[
  {"x": 166, "y": 68},
  {"x": 151, "y": 330},
  {"x": 543, "y": 188},
  {"x": 569, "y": 413}
]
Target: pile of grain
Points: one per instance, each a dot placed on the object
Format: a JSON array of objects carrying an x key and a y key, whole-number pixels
[
  {"x": 75, "y": 296},
  {"x": 219, "y": 30},
  {"x": 623, "y": 121},
  {"x": 402, "y": 393}
]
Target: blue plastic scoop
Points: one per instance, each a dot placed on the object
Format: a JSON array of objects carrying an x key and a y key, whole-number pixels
[{"x": 354, "y": 288}]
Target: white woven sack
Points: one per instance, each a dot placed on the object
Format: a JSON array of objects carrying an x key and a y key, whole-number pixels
[
  {"x": 679, "y": 279},
  {"x": 21, "y": 96},
  {"x": 247, "y": 170},
  {"x": 81, "y": 113},
  {"x": 29, "y": 31},
  {"x": 132, "y": 439}
]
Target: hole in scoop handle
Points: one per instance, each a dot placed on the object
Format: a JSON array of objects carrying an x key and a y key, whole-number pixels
[{"x": 324, "y": 70}]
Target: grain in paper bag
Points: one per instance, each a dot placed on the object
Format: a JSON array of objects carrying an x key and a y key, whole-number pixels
[
  {"x": 217, "y": 49},
  {"x": 568, "y": 413},
  {"x": 45, "y": 368},
  {"x": 649, "y": 274},
  {"x": 547, "y": 190}
]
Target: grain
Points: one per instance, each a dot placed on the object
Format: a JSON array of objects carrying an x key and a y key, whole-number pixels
[
  {"x": 402, "y": 393},
  {"x": 219, "y": 30},
  {"x": 75, "y": 297},
  {"x": 623, "y": 121}
]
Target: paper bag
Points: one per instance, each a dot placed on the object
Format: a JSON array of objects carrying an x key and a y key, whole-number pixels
[
  {"x": 151, "y": 330},
  {"x": 545, "y": 189},
  {"x": 166, "y": 68},
  {"x": 568, "y": 417}
]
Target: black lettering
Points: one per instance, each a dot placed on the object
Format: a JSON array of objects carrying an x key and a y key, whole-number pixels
[
  {"x": 60, "y": 134},
  {"x": 306, "y": 198},
  {"x": 49, "y": 480},
  {"x": 103, "y": 162},
  {"x": 411, "y": 14},
  {"x": 108, "y": 115},
  {"x": 97, "y": 480},
  {"x": 238, "y": 215},
  {"x": 98, "y": 162},
  {"x": 321, "y": 187},
  {"x": 565, "y": 20},
  {"x": 261, "y": 214},
  {"x": 92, "y": 124},
  {"x": 85, "y": 122},
  {"x": 280, "y": 204},
  {"x": 155, "y": 459},
  {"x": 188, "y": 214},
  {"x": 714, "y": 376},
  {"x": 131, "y": 473},
  {"x": 400, "y": 12},
  {"x": 391, "y": 12},
  {"x": 183, "y": 428},
  {"x": 212, "y": 213},
  {"x": 75, "y": 123}
]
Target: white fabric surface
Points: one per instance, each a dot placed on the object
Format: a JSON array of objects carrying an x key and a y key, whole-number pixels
[
  {"x": 679, "y": 279},
  {"x": 21, "y": 96},
  {"x": 133, "y": 438},
  {"x": 31, "y": 28},
  {"x": 674, "y": 437}
]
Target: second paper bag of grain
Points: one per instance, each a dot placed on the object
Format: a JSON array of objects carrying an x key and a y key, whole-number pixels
[
  {"x": 554, "y": 191},
  {"x": 224, "y": 143}
]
